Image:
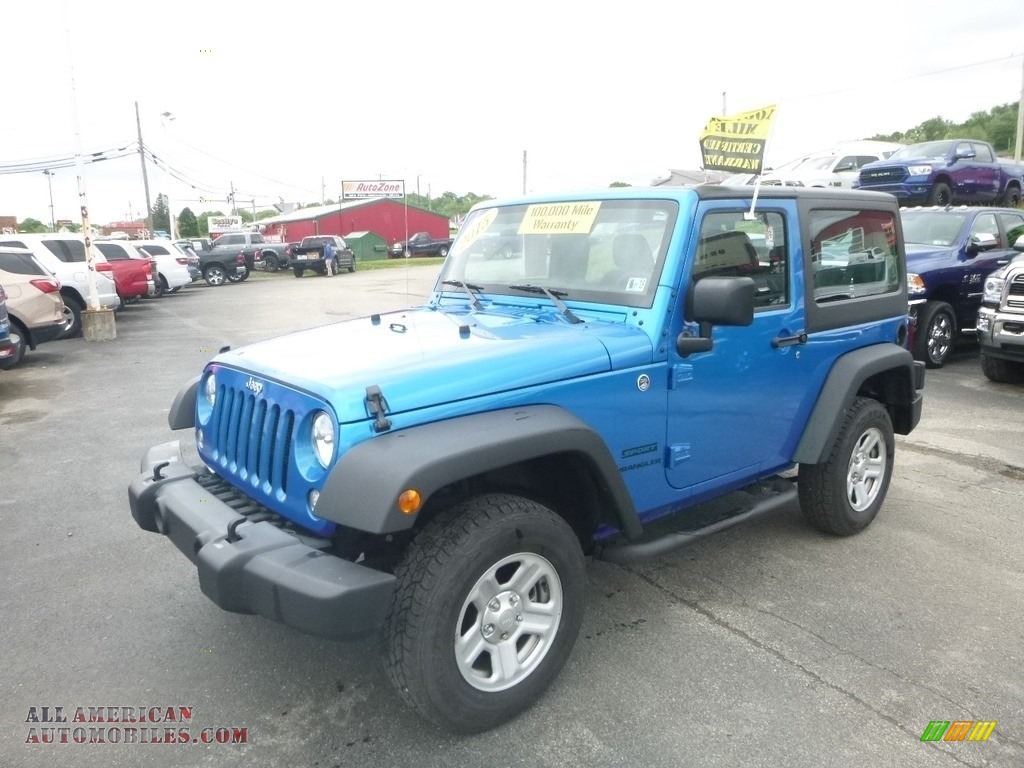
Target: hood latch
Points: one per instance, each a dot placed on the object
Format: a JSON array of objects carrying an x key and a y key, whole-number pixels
[{"x": 378, "y": 407}]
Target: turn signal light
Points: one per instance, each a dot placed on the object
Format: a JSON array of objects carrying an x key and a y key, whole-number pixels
[{"x": 409, "y": 501}]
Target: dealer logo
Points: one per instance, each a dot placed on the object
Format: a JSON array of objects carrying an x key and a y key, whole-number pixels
[
  {"x": 643, "y": 382},
  {"x": 254, "y": 386}
]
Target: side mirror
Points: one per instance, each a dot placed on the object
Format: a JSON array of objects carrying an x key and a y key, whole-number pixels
[
  {"x": 964, "y": 154},
  {"x": 981, "y": 242},
  {"x": 716, "y": 301},
  {"x": 847, "y": 166}
]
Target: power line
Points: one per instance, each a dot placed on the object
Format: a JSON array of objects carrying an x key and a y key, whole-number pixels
[
  {"x": 1000, "y": 59},
  {"x": 239, "y": 168}
]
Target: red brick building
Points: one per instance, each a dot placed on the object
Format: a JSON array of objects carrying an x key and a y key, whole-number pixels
[{"x": 390, "y": 219}]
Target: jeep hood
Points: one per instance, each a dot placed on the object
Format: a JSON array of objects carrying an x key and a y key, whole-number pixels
[{"x": 425, "y": 356}]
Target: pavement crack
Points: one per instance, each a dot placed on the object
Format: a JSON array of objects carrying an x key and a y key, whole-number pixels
[
  {"x": 746, "y": 636},
  {"x": 984, "y": 463}
]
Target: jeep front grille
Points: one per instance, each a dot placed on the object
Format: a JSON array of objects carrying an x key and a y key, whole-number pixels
[{"x": 252, "y": 438}]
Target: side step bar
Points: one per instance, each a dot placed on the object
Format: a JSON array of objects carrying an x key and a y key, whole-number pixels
[{"x": 784, "y": 493}]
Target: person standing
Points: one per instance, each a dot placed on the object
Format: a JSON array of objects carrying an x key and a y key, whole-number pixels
[{"x": 329, "y": 258}]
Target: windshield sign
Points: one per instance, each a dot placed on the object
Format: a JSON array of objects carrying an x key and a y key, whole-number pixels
[{"x": 606, "y": 251}]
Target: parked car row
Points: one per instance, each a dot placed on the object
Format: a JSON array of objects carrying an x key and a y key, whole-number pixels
[{"x": 45, "y": 283}]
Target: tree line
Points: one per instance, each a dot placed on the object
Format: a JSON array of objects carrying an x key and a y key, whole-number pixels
[{"x": 998, "y": 127}]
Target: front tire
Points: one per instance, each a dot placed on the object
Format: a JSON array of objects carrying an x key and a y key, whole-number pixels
[
  {"x": 487, "y": 608},
  {"x": 75, "y": 327},
  {"x": 941, "y": 194},
  {"x": 936, "y": 333},
  {"x": 297, "y": 271},
  {"x": 1001, "y": 371},
  {"x": 842, "y": 494}
]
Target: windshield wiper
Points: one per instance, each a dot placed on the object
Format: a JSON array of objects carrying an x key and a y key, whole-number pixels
[
  {"x": 468, "y": 288},
  {"x": 553, "y": 295}
]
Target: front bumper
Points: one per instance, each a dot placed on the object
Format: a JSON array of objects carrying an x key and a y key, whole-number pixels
[
  {"x": 246, "y": 563},
  {"x": 1000, "y": 335}
]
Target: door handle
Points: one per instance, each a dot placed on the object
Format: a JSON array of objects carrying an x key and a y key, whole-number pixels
[{"x": 789, "y": 341}]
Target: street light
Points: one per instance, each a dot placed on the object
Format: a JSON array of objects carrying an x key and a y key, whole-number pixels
[
  {"x": 165, "y": 118},
  {"x": 49, "y": 182}
]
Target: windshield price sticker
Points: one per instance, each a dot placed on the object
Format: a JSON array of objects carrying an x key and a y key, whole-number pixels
[
  {"x": 477, "y": 227},
  {"x": 559, "y": 219}
]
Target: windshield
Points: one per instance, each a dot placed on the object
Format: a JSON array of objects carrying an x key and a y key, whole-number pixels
[
  {"x": 932, "y": 227},
  {"x": 929, "y": 150},
  {"x": 606, "y": 251}
]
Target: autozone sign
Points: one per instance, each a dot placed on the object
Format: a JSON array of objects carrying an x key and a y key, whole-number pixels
[{"x": 372, "y": 189}]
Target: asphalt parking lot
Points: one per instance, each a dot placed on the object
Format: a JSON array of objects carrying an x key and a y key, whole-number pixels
[{"x": 769, "y": 644}]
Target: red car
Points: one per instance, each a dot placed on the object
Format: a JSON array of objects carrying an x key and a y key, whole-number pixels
[{"x": 132, "y": 273}]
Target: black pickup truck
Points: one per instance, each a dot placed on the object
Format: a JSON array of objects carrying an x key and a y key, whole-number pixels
[
  {"x": 420, "y": 244},
  {"x": 309, "y": 254},
  {"x": 258, "y": 253}
]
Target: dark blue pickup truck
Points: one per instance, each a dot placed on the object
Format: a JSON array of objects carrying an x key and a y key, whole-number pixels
[
  {"x": 950, "y": 252},
  {"x": 947, "y": 172}
]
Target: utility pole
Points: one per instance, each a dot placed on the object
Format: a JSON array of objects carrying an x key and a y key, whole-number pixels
[
  {"x": 1020, "y": 119},
  {"x": 524, "y": 171},
  {"x": 145, "y": 178},
  {"x": 724, "y": 113},
  {"x": 323, "y": 191},
  {"x": 232, "y": 198},
  {"x": 49, "y": 181}
]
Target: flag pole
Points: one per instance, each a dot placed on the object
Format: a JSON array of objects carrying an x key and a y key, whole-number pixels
[{"x": 749, "y": 216}]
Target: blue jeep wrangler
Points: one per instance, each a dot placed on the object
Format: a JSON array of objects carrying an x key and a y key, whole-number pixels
[{"x": 647, "y": 368}]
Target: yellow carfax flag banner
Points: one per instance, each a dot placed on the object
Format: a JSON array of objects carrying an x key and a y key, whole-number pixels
[{"x": 736, "y": 142}]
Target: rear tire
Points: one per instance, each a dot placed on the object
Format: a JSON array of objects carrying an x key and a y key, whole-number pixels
[
  {"x": 159, "y": 287},
  {"x": 842, "y": 494},
  {"x": 488, "y": 604},
  {"x": 1011, "y": 198},
  {"x": 215, "y": 275},
  {"x": 270, "y": 261}
]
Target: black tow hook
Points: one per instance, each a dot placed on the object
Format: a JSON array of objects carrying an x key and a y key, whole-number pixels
[{"x": 158, "y": 468}]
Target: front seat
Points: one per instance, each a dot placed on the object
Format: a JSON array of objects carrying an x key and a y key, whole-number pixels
[{"x": 633, "y": 259}]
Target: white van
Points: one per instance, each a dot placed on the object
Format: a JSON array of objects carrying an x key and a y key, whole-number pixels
[
  {"x": 64, "y": 256},
  {"x": 836, "y": 167}
]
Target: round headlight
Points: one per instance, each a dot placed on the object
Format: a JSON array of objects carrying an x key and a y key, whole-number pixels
[
  {"x": 210, "y": 389},
  {"x": 323, "y": 438}
]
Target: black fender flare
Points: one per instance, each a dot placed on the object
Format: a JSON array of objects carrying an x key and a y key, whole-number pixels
[
  {"x": 363, "y": 488},
  {"x": 183, "y": 410},
  {"x": 842, "y": 384}
]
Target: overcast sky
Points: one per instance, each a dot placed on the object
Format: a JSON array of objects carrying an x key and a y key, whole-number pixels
[{"x": 447, "y": 94}]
